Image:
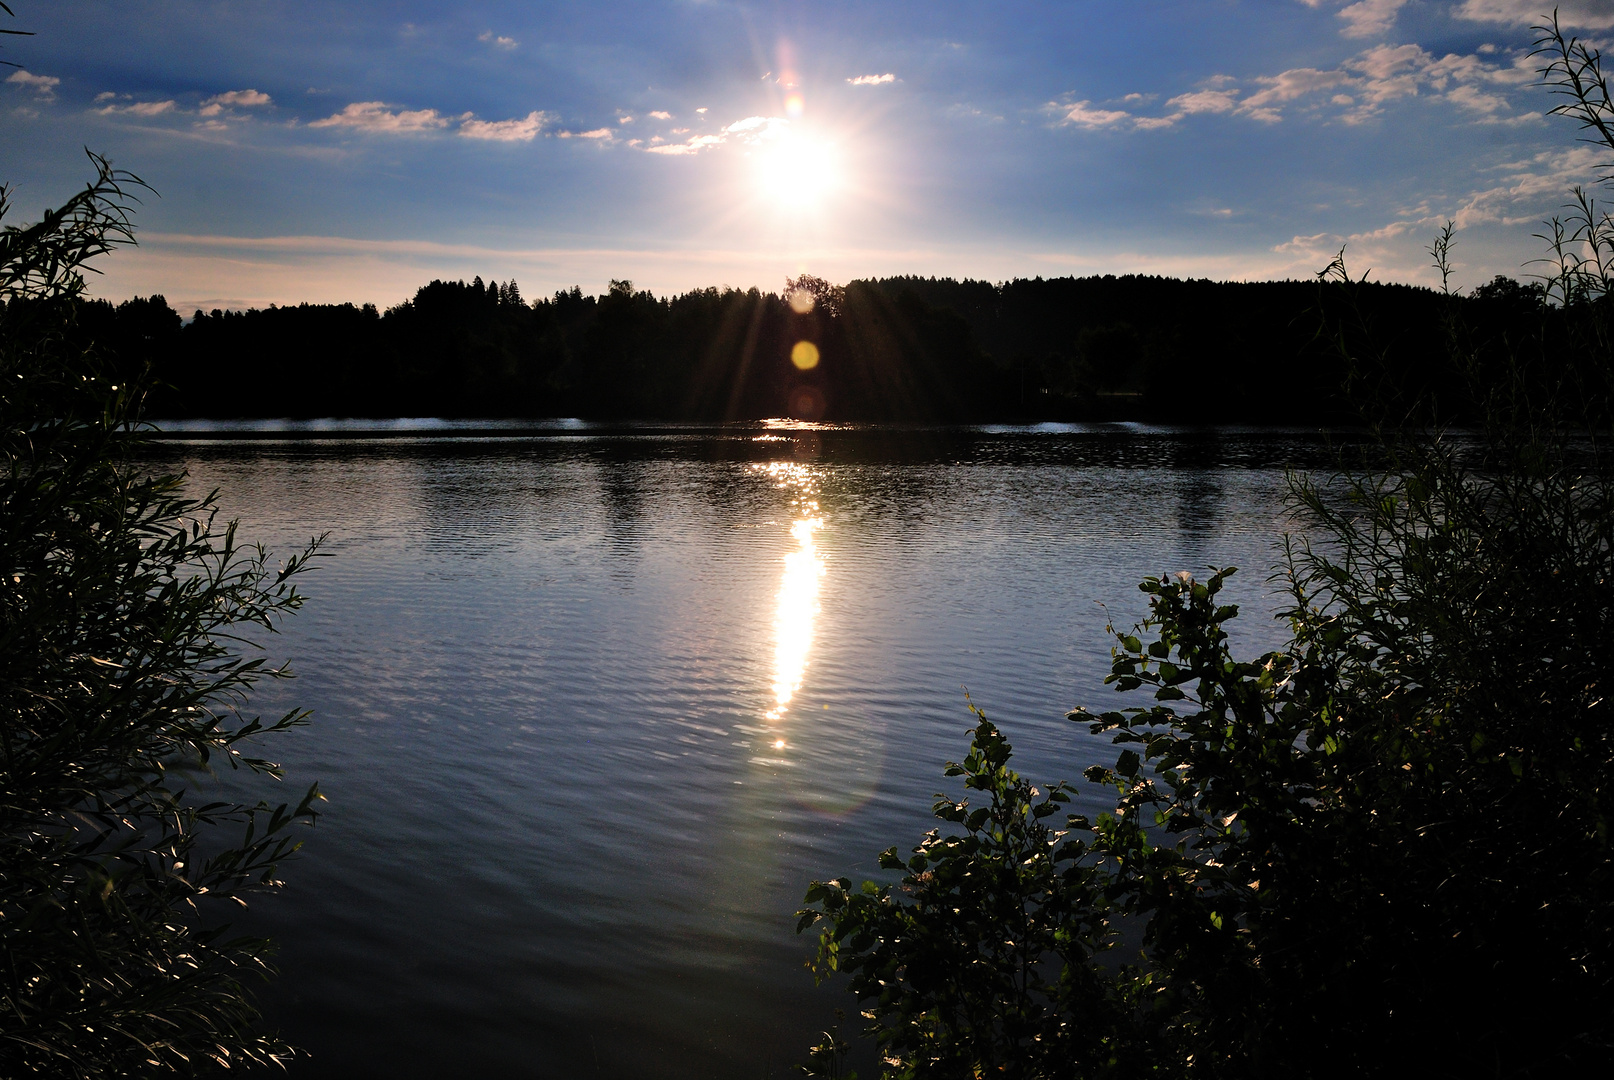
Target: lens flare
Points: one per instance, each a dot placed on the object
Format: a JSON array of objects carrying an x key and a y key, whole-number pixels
[{"x": 804, "y": 355}]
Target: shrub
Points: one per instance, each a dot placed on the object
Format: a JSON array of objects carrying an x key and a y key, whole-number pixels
[{"x": 123, "y": 672}]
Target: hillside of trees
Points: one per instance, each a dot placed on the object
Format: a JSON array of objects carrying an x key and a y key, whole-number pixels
[{"x": 903, "y": 349}]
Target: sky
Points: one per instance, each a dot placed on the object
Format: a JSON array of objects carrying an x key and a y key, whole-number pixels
[{"x": 329, "y": 152}]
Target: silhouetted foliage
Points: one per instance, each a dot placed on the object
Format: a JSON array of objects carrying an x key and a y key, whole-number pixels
[
  {"x": 907, "y": 349},
  {"x": 123, "y": 672}
]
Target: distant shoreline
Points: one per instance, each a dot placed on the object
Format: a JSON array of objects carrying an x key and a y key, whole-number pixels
[{"x": 322, "y": 428}]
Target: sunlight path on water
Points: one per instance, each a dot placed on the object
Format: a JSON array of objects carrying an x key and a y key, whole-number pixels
[{"x": 798, "y": 589}]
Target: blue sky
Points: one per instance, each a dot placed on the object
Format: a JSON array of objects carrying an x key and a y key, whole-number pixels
[{"x": 351, "y": 151}]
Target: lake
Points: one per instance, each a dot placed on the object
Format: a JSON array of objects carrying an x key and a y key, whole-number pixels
[{"x": 593, "y": 705}]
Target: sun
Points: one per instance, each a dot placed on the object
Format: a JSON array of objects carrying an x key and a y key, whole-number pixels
[{"x": 797, "y": 171}]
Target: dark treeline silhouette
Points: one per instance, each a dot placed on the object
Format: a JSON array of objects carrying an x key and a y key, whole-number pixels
[{"x": 897, "y": 349}]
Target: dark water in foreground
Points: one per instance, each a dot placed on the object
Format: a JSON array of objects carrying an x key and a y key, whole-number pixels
[{"x": 593, "y": 707}]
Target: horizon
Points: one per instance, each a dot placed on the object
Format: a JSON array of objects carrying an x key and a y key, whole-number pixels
[
  {"x": 186, "y": 315},
  {"x": 319, "y": 155}
]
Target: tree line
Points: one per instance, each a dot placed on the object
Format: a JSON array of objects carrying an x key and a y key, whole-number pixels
[{"x": 903, "y": 349}]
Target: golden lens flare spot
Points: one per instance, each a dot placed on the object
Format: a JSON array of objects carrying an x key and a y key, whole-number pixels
[
  {"x": 778, "y": 744},
  {"x": 804, "y": 355},
  {"x": 801, "y": 301}
]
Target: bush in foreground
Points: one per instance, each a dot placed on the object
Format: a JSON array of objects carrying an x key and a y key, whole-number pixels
[{"x": 122, "y": 673}]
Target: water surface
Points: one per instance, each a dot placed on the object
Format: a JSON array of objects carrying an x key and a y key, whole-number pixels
[{"x": 594, "y": 705}]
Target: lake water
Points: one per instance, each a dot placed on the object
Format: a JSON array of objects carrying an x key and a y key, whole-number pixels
[{"x": 593, "y": 706}]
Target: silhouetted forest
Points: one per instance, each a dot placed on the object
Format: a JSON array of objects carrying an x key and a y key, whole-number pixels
[{"x": 897, "y": 349}]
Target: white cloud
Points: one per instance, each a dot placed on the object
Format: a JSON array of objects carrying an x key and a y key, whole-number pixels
[
  {"x": 369, "y": 116},
  {"x": 1205, "y": 101},
  {"x": 1311, "y": 246},
  {"x": 1362, "y": 86},
  {"x": 1369, "y": 18},
  {"x": 43, "y": 86},
  {"x": 1083, "y": 116},
  {"x": 139, "y": 108},
  {"x": 376, "y": 116},
  {"x": 1295, "y": 83},
  {"x": 1471, "y": 97},
  {"x": 498, "y": 41},
  {"x": 1572, "y": 14},
  {"x": 1452, "y": 67},
  {"x": 661, "y": 114},
  {"x": 693, "y": 146},
  {"x": 597, "y": 133},
  {"x": 750, "y": 129},
  {"x": 872, "y": 80},
  {"x": 524, "y": 129},
  {"x": 249, "y": 99},
  {"x": 1388, "y": 72},
  {"x": 1516, "y": 120},
  {"x": 1519, "y": 198},
  {"x": 757, "y": 128}
]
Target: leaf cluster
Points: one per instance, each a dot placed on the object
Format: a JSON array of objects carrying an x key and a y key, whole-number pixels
[{"x": 978, "y": 962}]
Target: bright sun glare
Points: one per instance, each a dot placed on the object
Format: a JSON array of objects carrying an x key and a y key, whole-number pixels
[{"x": 797, "y": 171}]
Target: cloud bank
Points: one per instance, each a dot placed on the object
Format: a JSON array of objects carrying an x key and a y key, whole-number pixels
[{"x": 1353, "y": 93}]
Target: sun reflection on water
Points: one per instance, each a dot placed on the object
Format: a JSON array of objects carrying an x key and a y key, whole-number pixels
[{"x": 797, "y": 606}]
